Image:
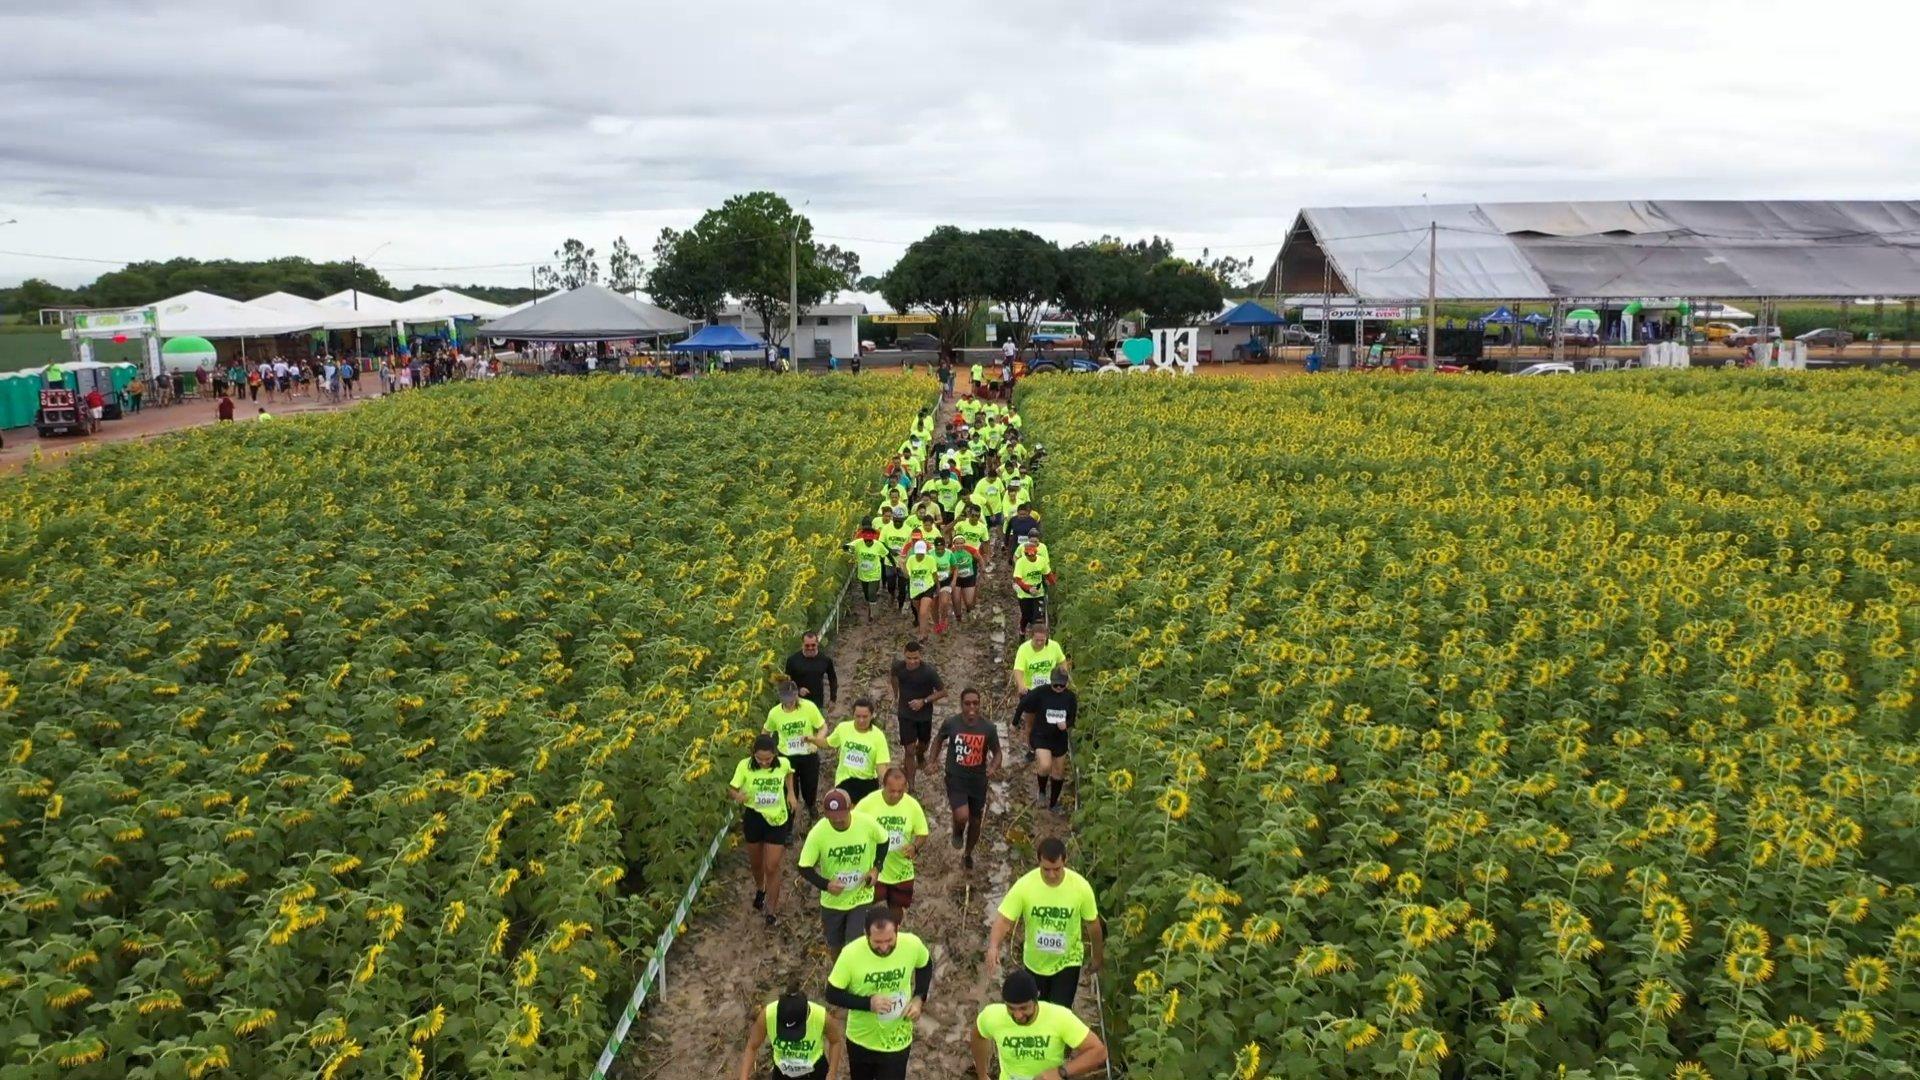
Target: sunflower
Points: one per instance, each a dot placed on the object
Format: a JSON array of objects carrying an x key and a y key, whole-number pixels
[
  {"x": 1246, "y": 1062},
  {"x": 1120, "y": 780},
  {"x": 1520, "y": 1011},
  {"x": 1852, "y": 909},
  {"x": 1658, "y": 998},
  {"x": 1318, "y": 960},
  {"x": 1261, "y": 930},
  {"x": 1748, "y": 969},
  {"x": 1173, "y": 803},
  {"x": 1867, "y": 975},
  {"x": 1355, "y": 1033},
  {"x": 526, "y": 1030},
  {"x": 1691, "y": 1070},
  {"x": 1480, "y": 934},
  {"x": 1146, "y": 983},
  {"x": 1209, "y": 929},
  {"x": 1173, "y": 1007},
  {"x": 1746, "y": 937},
  {"x": 1404, "y": 994},
  {"x": 1671, "y": 934},
  {"x": 1798, "y": 1038},
  {"x": 1407, "y": 883},
  {"x": 1208, "y": 893},
  {"x": 1425, "y": 1045},
  {"x": 1854, "y": 1026}
]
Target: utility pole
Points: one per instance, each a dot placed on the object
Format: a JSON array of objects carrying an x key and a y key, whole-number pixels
[
  {"x": 793, "y": 295},
  {"x": 1433, "y": 281}
]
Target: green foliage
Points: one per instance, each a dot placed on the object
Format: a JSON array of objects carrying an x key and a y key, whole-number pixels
[
  {"x": 947, "y": 272},
  {"x": 576, "y": 267},
  {"x": 623, "y": 267},
  {"x": 1023, "y": 276},
  {"x": 1180, "y": 293},
  {"x": 743, "y": 249},
  {"x": 1101, "y": 282}
]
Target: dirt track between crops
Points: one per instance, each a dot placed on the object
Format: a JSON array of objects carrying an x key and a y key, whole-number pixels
[
  {"x": 150, "y": 423},
  {"x": 730, "y": 965}
]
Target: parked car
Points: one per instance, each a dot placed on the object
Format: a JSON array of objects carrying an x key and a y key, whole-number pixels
[
  {"x": 918, "y": 343},
  {"x": 1298, "y": 335},
  {"x": 866, "y": 347},
  {"x": 1717, "y": 332},
  {"x": 1546, "y": 369},
  {"x": 1752, "y": 335},
  {"x": 1574, "y": 335},
  {"x": 1072, "y": 365},
  {"x": 1826, "y": 337}
]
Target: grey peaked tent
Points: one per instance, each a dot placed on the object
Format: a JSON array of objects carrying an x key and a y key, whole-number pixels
[{"x": 588, "y": 313}]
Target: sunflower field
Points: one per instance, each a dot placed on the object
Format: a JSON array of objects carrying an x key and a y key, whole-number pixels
[
  {"x": 1488, "y": 727},
  {"x": 358, "y": 745}
]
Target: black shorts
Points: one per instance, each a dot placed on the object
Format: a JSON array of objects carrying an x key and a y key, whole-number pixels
[
  {"x": 1049, "y": 738},
  {"x": 865, "y": 1064},
  {"x": 966, "y": 791},
  {"x": 926, "y": 594},
  {"x": 966, "y": 581},
  {"x": 1060, "y": 987},
  {"x": 857, "y": 787},
  {"x": 819, "y": 1073},
  {"x": 757, "y": 831},
  {"x": 916, "y": 730}
]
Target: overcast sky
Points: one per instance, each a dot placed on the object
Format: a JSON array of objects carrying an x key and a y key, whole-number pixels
[{"x": 465, "y": 135}]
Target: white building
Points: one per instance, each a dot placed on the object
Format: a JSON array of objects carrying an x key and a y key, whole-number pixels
[{"x": 825, "y": 329}]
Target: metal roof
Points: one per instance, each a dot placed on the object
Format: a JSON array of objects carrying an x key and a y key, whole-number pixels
[{"x": 1608, "y": 250}]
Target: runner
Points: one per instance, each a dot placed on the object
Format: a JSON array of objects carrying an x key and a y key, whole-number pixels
[
  {"x": 895, "y": 535},
  {"x": 976, "y": 386},
  {"x": 869, "y": 561},
  {"x": 972, "y": 530},
  {"x": 807, "y": 1041},
  {"x": 1048, "y": 714},
  {"x": 1033, "y": 1038},
  {"x": 963, "y": 564},
  {"x": 945, "y": 489},
  {"x": 922, "y": 570},
  {"x": 1019, "y": 526},
  {"x": 1035, "y": 659},
  {"x": 1032, "y": 573},
  {"x": 797, "y": 724},
  {"x": 1062, "y": 920},
  {"x": 882, "y": 979},
  {"x": 863, "y": 749},
  {"x": 988, "y": 495},
  {"x": 763, "y": 783},
  {"x": 842, "y": 858},
  {"x": 906, "y": 823},
  {"x": 814, "y": 671},
  {"x": 916, "y": 688},
  {"x": 973, "y": 758}
]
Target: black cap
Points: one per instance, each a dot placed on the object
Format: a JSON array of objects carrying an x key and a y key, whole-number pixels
[
  {"x": 790, "y": 1016},
  {"x": 1019, "y": 988},
  {"x": 1057, "y": 678}
]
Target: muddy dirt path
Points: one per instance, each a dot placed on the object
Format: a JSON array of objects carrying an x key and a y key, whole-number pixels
[{"x": 730, "y": 964}]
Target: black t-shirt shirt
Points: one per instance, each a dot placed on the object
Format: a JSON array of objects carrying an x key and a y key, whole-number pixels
[
  {"x": 968, "y": 744},
  {"x": 814, "y": 673},
  {"x": 1048, "y": 705},
  {"x": 916, "y": 683},
  {"x": 1022, "y": 524}
]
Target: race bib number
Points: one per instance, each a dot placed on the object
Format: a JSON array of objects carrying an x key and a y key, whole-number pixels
[
  {"x": 766, "y": 800},
  {"x": 1040, "y": 679},
  {"x": 796, "y": 744},
  {"x": 895, "y": 1009},
  {"x": 857, "y": 757},
  {"x": 1051, "y": 941},
  {"x": 794, "y": 1066},
  {"x": 848, "y": 879},
  {"x": 1057, "y": 717},
  {"x": 896, "y": 838},
  {"x": 868, "y": 564}
]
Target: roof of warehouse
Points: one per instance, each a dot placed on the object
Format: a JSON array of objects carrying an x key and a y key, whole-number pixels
[{"x": 1603, "y": 250}]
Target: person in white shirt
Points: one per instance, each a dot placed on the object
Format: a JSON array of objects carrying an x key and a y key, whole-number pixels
[
  {"x": 266, "y": 378},
  {"x": 283, "y": 377},
  {"x": 1009, "y": 351}
]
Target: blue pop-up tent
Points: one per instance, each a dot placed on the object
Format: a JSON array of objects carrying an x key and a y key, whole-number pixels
[
  {"x": 718, "y": 338},
  {"x": 1500, "y": 315},
  {"x": 1249, "y": 313}
]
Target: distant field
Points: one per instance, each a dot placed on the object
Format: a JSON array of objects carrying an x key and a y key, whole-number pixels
[{"x": 25, "y": 347}]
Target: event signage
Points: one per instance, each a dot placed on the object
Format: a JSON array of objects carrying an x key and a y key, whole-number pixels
[
  {"x": 909, "y": 319},
  {"x": 1369, "y": 312},
  {"x": 130, "y": 319},
  {"x": 1177, "y": 349}
]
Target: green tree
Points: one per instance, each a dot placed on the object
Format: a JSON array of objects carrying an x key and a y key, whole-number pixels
[
  {"x": 576, "y": 267},
  {"x": 1234, "y": 274},
  {"x": 741, "y": 249},
  {"x": 1023, "y": 276},
  {"x": 623, "y": 267},
  {"x": 1180, "y": 293},
  {"x": 1101, "y": 282},
  {"x": 948, "y": 273}
]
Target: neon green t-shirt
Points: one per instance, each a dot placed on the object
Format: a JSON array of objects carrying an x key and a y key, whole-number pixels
[
  {"x": 793, "y": 726},
  {"x": 868, "y": 557},
  {"x": 861, "y": 753},
  {"x": 960, "y": 560},
  {"x": 1027, "y": 1050},
  {"x": 844, "y": 856},
  {"x": 858, "y": 971},
  {"x": 802, "y": 1057},
  {"x": 894, "y": 536},
  {"x": 923, "y": 571},
  {"x": 974, "y": 531},
  {"x": 1036, "y": 664},
  {"x": 1032, "y": 571},
  {"x": 945, "y": 491},
  {"x": 978, "y": 375},
  {"x": 903, "y": 821},
  {"x": 766, "y": 789},
  {"x": 988, "y": 495},
  {"x": 1053, "y": 916}
]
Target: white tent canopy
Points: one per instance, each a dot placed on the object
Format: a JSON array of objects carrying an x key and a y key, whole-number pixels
[
  {"x": 203, "y": 314},
  {"x": 363, "y": 304},
  {"x": 327, "y": 318},
  {"x": 442, "y": 304}
]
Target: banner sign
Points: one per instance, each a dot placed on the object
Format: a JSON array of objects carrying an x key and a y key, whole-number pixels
[
  {"x": 1372, "y": 313},
  {"x": 132, "y": 320},
  {"x": 910, "y": 319}
]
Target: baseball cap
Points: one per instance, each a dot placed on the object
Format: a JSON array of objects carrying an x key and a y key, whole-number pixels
[
  {"x": 919, "y": 547},
  {"x": 1058, "y": 677},
  {"x": 838, "y": 800},
  {"x": 790, "y": 1016},
  {"x": 899, "y": 513},
  {"x": 789, "y": 690}
]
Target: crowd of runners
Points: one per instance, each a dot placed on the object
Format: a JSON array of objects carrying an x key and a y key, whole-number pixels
[{"x": 955, "y": 517}]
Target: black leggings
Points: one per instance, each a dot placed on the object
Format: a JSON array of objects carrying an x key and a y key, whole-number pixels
[
  {"x": 806, "y": 777},
  {"x": 870, "y": 590},
  {"x": 1060, "y": 987},
  {"x": 1033, "y": 609},
  {"x": 865, "y": 1064}
]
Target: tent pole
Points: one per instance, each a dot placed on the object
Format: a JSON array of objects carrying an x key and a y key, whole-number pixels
[
  {"x": 1906, "y": 336},
  {"x": 1879, "y": 309}
]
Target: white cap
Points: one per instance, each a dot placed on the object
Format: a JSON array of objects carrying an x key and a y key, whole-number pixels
[{"x": 919, "y": 547}]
